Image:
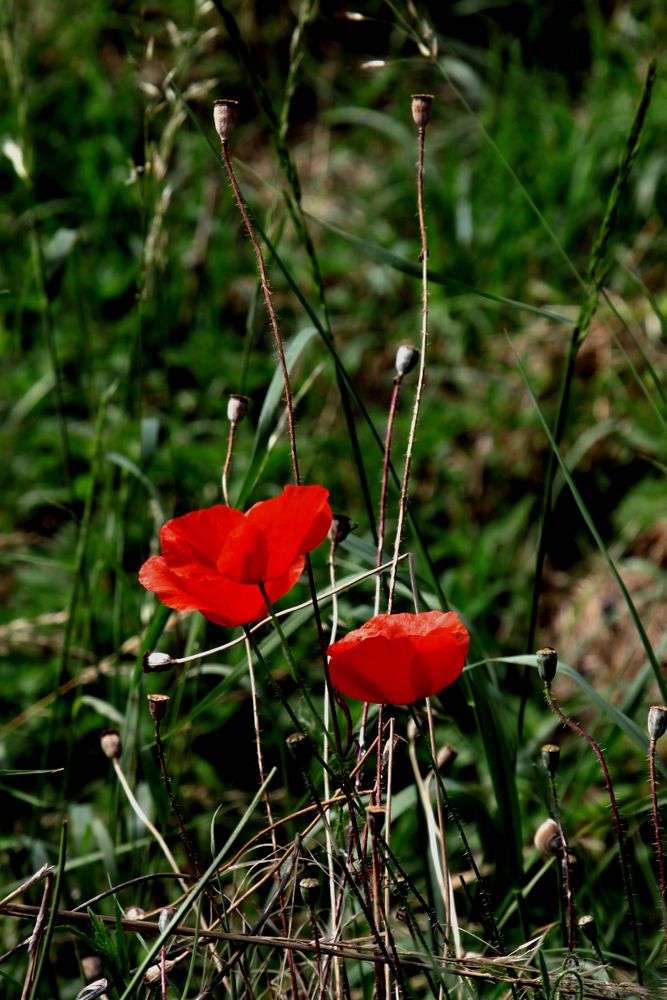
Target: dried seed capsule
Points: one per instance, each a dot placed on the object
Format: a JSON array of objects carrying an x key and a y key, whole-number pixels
[
  {"x": 588, "y": 927},
  {"x": 157, "y": 706},
  {"x": 421, "y": 109},
  {"x": 657, "y": 721},
  {"x": 225, "y": 113},
  {"x": 310, "y": 891},
  {"x": 547, "y": 661},
  {"x": 376, "y": 816},
  {"x": 341, "y": 526},
  {"x": 551, "y": 758},
  {"x": 300, "y": 748}
]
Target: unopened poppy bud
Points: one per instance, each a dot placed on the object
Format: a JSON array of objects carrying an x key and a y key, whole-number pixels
[
  {"x": 657, "y": 721},
  {"x": 225, "y": 113},
  {"x": 154, "y": 662},
  {"x": 300, "y": 748},
  {"x": 547, "y": 661},
  {"x": 547, "y": 839},
  {"x": 551, "y": 758},
  {"x": 341, "y": 526},
  {"x": 407, "y": 357},
  {"x": 421, "y": 109},
  {"x": 310, "y": 891},
  {"x": 157, "y": 706},
  {"x": 237, "y": 407},
  {"x": 588, "y": 927},
  {"x": 110, "y": 743},
  {"x": 165, "y": 918}
]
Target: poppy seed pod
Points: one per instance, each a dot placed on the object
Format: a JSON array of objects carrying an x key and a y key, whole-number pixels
[
  {"x": 341, "y": 526},
  {"x": 157, "y": 706},
  {"x": 551, "y": 758},
  {"x": 547, "y": 662},
  {"x": 588, "y": 927},
  {"x": 225, "y": 113},
  {"x": 300, "y": 748},
  {"x": 547, "y": 839},
  {"x": 421, "y": 109},
  {"x": 657, "y": 721},
  {"x": 237, "y": 407},
  {"x": 407, "y": 357},
  {"x": 376, "y": 816},
  {"x": 310, "y": 891},
  {"x": 110, "y": 743}
]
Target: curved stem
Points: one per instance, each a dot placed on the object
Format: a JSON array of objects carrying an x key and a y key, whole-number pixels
[
  {"x": 625, "y": 867},
  {"x": 403, "y": 502},
  {"x": 261, "y": 264}
]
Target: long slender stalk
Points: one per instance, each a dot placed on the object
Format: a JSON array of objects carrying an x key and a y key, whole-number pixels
[
  {"x": 331, "y": 877},
  {"x": 384, "y": 483},
  {"x": 576, "y": 727},
  {"x": 273, "y": 319},
  {"x": 657, "y": 829},
  {"x": 269, "y": 810},
  {"x": 421, "y": 110}
]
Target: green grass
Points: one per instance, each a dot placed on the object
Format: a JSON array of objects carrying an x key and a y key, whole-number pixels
[{"x": 130, "y": 309}]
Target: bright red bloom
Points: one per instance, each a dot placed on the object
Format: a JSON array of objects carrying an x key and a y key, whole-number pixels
[
  {"x": 213, "y": 560},
  {"x": 397, "y": 659}
]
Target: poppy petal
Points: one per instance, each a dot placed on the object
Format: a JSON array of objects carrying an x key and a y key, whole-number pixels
[
  {"x": 220, "y": 600},
  {"x": 292, "y": 524},
  {"x": 398, "y": 659},
  {"x": 194, "y": 540}
]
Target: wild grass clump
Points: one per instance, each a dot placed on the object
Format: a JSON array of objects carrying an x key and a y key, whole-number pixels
[{"x": 334, "y": 527}]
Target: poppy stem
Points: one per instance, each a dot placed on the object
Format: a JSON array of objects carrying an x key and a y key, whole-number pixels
[
  {"x": 266, "y": 290},
  {"x": 570, "y": 937},
  {"x": 228, "y": 462},
  {"x": 269, "y": 811},
  {"x": 444, "y": 859},
  {"x": 576, "y": 727},
  {"x": 289, "y": 656},
  {"x": 329, "y": 707},
  {"x": 383, "y": 488},
  {"x": 657, "y": 829},
  {"x": 403, "y": 502}
]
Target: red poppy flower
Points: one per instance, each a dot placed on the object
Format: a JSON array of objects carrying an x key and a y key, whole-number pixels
[
  {"x": 213, "y": 560},
  {"x": 397, "y": 659}
]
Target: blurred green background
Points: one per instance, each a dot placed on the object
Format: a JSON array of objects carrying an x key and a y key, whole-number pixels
[{"x": 130, "y": 309}]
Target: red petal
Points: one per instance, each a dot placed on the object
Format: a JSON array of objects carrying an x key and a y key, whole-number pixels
[
  {"x": 218, "y": 598},
  {"x": 192, "y": 543},
  {"x": 400, "y": 658},
  {"x": 276, "y": 532}
]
